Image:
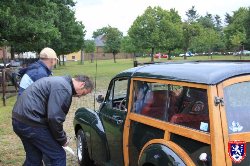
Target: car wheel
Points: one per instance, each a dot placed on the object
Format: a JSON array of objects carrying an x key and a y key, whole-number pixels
[{"x": 82, "y": 149}]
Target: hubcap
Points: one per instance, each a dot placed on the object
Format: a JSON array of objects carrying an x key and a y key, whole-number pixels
[{"x": 79, "y": 147}]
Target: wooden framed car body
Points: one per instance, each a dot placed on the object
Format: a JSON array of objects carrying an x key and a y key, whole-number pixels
[{"x": 182, "y": 113}]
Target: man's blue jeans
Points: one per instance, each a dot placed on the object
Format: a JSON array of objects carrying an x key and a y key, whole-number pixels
[{"x": 38, "y": 141}]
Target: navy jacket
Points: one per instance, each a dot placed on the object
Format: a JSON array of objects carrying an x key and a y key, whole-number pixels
[
  {"x": 46, "y": 103},
  {"x": 32, "y": 73}
]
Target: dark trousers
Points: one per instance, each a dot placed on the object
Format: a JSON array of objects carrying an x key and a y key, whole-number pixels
[{"x": 38, "y": 141}]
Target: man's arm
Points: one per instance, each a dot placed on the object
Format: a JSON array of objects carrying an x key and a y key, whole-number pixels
[{"x": 58, "y": 106}]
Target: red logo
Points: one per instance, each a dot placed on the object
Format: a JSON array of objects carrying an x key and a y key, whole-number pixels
[{"x": 237, "y": 150}]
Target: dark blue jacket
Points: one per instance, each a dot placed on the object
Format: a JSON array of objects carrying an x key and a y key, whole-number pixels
[
  {"x": 32, "y": 73},
  {"x": 46, "y": 103}
]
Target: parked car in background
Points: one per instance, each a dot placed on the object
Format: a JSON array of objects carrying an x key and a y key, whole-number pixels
[
  {"x": 187, "y": 54},
  {"x": 178, "y": 114},
  {"x": 164, "y": 56},
  {"x": 6, "y": 65},
  {"x": 157, "y": 56},
  {"x": 15, "y": 63},
  {"x": 244, "y": 52},
  {"x": 12, "y": 63}
]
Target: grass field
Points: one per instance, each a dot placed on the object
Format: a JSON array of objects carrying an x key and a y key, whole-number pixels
[{"x": 11, "y": 149}]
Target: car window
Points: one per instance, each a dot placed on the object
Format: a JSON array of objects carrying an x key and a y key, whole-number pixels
[
  {"x": 237, "y": 105},
  {"x": 118, "y": 94},
  {"x": 171, "y": 103},
  {"x": 120, "y": 88}
]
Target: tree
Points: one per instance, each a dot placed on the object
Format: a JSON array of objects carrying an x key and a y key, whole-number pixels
[
  {"x": 218, "y": 26},
  {"x": 207, "y": 41},
  {"x": 89, "y": 47},
  {"x": 99, "y": 32},
  {"x": 128, "y": 46},
  {"x": 190, "y": 28},
  {"x": 31, "y": 25},
  {"x": 26, "y": 30},
  {"x": 192, "y": 15},
  {"x": 206, "y": 21},
  {"x": 157, "y": 28},
  {"x": 7, "y": 22},
  {"x": 113, "y": 39},
  {"x": 247, "y": 28},
  {"x": 72, "y": 32},
  {"x": 237, "y": 39},
  {"x": 237, "y": 28},
  {"x": 228, "y": 18},
  {"x": 190, "y": 31}
]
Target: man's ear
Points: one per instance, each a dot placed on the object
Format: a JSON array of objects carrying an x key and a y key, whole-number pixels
[{"x": 82, "y": 85}]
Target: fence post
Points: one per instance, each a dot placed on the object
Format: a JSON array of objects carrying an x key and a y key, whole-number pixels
[
  {"x": 4, "y": 88},
  {"x": 135, "y": 63},
  {"x": 3, "y": 75}
]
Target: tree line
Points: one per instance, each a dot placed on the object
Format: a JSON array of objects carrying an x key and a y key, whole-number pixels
[
  {"x": 160, "y": 30},
  {"x": 31, "y": 25}
]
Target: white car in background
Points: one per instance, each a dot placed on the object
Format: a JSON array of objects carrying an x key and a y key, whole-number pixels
[
  {"x": 187, "y": 54},
  {"x": 244, "y": 52},
  {"x": 2, "y": 65}
]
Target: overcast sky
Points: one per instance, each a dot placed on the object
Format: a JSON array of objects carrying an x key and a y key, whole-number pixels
[{"x": 96, "y": 14}]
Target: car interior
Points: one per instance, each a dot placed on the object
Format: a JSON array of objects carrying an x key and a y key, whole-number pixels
[{"x": 188, "y": 107}]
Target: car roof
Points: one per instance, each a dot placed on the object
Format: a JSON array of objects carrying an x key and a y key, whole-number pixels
[{"x": 209, "y": 73}]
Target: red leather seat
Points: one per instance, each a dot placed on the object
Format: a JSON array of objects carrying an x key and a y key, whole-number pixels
[
  {"x": 155, "y": 104},
  {"x": 190, "y": 120}
]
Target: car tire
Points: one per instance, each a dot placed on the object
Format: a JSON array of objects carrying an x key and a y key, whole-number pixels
[{"x": 82, "y": 149}]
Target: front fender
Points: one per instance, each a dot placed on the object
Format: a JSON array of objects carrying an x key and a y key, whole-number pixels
[
  {"x": 161, "y": 152},
  {"x": 89, "y": 121}
]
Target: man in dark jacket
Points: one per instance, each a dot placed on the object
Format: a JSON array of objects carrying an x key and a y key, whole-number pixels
[
  {"x": 39, "y": 113},
  {"x": 41, "y": 68}
]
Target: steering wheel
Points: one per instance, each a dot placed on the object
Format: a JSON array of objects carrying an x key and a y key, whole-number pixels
[{"x": 122, "y": 105}]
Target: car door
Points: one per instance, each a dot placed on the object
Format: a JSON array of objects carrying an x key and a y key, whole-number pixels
[
  {"x": 113, "y": 114},
  {"x": 235, "y": 96}
]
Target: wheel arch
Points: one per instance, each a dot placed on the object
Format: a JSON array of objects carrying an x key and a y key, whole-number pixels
[
  {"x": 151, "y": 150},
  {"x": 89, "y": 121},
  {"x": 76, "y": 128}
]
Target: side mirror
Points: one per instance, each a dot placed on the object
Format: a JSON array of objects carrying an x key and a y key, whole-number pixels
[{"x": 100, "y": 99}]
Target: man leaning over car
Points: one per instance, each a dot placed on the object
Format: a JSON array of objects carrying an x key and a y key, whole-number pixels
[{"x": 39, "y": 113}]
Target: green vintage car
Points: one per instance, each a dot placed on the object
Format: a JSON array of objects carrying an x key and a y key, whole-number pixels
[{"x": 182, "y": 113}]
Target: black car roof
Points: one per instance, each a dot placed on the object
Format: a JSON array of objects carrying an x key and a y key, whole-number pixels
[{"x": 209, "y": 73}]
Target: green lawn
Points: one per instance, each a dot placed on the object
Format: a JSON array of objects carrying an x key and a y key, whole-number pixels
[
  {"x": 106, "y": 69},
  {"x": 11, "y": 150}
]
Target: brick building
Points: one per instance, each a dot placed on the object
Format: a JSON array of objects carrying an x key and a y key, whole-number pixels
[{"x": 99, "y": 53}]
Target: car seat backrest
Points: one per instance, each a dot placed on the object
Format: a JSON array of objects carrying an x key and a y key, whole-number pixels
[{"x": 155, "y": 104}]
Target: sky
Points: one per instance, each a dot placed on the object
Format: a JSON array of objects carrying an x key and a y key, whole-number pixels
[{"x": 121, "y": 14}]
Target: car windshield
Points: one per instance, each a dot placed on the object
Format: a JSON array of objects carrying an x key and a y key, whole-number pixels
[{"x": 237, "y": 104}]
